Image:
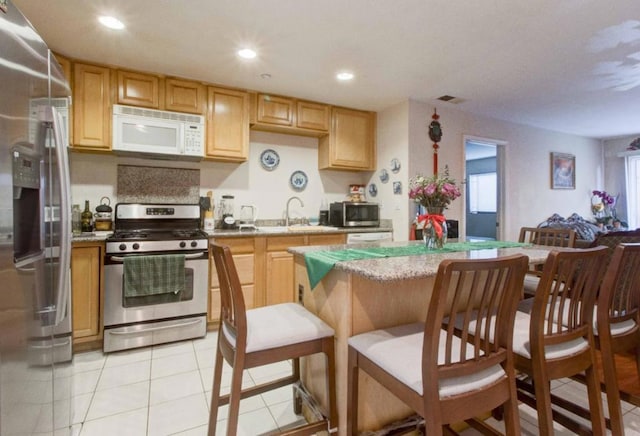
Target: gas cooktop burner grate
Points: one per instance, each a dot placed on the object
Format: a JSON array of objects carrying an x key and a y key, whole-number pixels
[
  {"x": 121, "y": 234},
  {"x": 188, "y": 234}
]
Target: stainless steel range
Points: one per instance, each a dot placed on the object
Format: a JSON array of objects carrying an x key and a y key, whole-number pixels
[{"x": 156, "y": 276}]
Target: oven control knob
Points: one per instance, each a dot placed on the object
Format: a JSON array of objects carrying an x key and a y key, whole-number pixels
[
  {"x": 183, "y": 244},
  {"x": 194, "y": 244},
  {"x": 136, "y": 246},
  {"x": 122, "y": 247}
]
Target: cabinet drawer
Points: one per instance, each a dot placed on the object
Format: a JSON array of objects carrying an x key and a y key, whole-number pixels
[
  {"x": 282, "y": 243},
  {"x": 334, "y": 239},
  {"x": 238, "y": 245},
  {"x": 244, "y": 265}
]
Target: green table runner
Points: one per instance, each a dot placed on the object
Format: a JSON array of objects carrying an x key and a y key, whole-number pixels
[{"x": 319, "y": 263}]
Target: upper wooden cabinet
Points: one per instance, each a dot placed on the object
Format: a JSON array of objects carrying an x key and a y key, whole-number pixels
[
  {"x": 91, "y": 107},
  {"x": 275, "y": 110},
  {"x": 184, "y": 96},
  {"x": 350, "y": 144},
  {"x": 227, "y": 125},
  {"x": 289, "y": 115},
  {"x": 137, "y": 89},
  {"x": 314, "y": 116}
]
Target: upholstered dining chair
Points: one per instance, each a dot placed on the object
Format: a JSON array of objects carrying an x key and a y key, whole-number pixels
[
  {"x": 556, "y": 339},
  {"x": 616, "y": 327},
  {"x": 443, "y": 373},
  {"x": 250, "y": 338},
  {"x": 551, "y": 237}
]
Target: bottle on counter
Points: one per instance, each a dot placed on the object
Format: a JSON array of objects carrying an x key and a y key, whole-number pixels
[
  {"x": 86, "y": 218},
  {"x": 208, "y": 213},
  {"x": 76, "y": 219}
]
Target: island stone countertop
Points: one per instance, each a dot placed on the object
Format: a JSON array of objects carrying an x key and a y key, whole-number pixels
[{"x": 414, "y": 266}]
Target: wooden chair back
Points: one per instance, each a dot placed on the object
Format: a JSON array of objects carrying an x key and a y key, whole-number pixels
[
  {"x": 548, "y": 236},
  {"x": 481, "y": 295},
  {"x": 563, "y": 303},
  {"x": 612, "y": 239},
  {"x": 232, "y": 307},
  {"x": 618, "y": 321}
]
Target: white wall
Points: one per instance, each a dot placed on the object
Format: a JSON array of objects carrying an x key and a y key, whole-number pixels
[
  {"x": 529, "y": 198},
  {"x": 94, "y": 176},
  {"x": 392, "y": 143}
]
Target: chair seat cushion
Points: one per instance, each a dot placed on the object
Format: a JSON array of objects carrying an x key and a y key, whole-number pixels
[
  {"x": 279, "y": 325},
  {"x": 522, "y": 346},
  {"x": 398, "y": 351}
]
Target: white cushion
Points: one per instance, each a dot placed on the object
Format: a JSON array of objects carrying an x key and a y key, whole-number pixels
[
  {"x": 522, "y": 346},
  {"x": 617, "y": 328},
  {"x": 281, "y": 324},
  {"x": 398, "y": 351}
]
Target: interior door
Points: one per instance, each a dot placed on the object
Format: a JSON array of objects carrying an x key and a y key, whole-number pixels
[{"x": 483, "y": 188}]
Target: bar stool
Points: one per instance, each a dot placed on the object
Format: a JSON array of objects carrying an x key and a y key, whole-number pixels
[
  {"x": 556, "y": 339},
  {"x": 250, "y": 338},
  {"x": 448, "y": 375}
]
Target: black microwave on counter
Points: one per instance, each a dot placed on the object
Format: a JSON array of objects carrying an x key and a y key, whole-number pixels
[{"x": 350, "y": 214}]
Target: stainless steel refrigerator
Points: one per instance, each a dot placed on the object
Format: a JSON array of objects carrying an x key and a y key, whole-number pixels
[{"x": 35, "y": 241}]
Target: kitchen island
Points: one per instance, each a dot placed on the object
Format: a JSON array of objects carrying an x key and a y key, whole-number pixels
[{"x": 356, "y": 296}]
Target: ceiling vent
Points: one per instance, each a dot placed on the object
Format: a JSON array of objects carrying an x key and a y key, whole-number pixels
[{"x": 450, "y": 99}]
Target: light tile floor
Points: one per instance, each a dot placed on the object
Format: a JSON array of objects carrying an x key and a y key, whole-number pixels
[{"x": 166, "y": 390}]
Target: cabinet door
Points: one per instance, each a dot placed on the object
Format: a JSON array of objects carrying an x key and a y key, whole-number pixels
[
  {"x": 350, "y": 144},
  {"x": 138, "y": 89},
  {"x": 227, "y": 125},
  {"x": 332, "y": 239},
  {"x": 91, "y": 107},
  {"x": 184, "y": 96},
  {"x": 313, "y": 116},
  {"x": 280, "y": 278},
  {"x": 275, "y": 110},
  {"x": 85, "y": 288}
]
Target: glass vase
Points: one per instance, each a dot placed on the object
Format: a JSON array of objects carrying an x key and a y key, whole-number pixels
[{"x": 434, "y": 232}]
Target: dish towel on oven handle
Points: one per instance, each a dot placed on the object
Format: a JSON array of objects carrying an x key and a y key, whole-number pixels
[{"x": 154, "y": 275}]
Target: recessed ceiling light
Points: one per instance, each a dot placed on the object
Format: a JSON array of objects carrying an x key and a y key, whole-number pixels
[
  {"x": 345, "y": 75},
  {"x": 247, "y": 53},
  {"x": 265, "y": 76},
  {"x": 111, "y": 22}
]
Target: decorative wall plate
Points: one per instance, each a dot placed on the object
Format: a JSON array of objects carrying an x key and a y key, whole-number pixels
[
  {"x": 269, "y": 159},
  {"x": 384, "y": 176},
  {"x": 397, "y": 188},
  {"x": 373, "y": 190},
  {"x": 395, "y": 165},
  {"x": 298, "y": 180}
]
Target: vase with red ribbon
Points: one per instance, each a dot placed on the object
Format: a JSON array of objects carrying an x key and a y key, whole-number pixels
[{"x": 434, "y": 228}]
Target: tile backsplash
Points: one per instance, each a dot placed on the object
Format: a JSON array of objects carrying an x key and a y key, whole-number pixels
[{"x": 138, "y": 184}]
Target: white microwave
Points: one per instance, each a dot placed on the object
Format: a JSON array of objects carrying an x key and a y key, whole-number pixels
[{"x": 162, "y": 134}]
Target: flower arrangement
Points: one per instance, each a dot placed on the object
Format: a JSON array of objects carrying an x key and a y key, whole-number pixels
[
  {"x": 603, "y": 206},
  {"x": 434, "y": 191}
]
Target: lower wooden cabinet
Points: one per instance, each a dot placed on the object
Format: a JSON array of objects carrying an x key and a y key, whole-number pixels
[
  {"x": 243, "y": 258},
  {"x": 86, "y": 285}
]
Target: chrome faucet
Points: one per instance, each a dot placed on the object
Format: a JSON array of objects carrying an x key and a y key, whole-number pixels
[{"x": 286, "y": 222}]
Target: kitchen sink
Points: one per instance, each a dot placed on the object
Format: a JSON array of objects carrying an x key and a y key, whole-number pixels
[{"x": 272, "y": 229}]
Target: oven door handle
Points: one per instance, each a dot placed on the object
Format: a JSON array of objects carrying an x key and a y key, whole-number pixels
[
  {"x": 186, "y": 256},
  {"x": 155, "y": 329}
]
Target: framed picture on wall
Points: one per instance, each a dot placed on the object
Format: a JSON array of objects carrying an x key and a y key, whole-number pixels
[{"x": 563, "y": 171}]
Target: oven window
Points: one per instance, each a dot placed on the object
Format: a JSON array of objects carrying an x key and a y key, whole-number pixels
[{"x": 169, "y": 297}]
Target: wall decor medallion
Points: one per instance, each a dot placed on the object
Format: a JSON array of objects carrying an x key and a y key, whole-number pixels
[
  {"x": 373, "y": 190},
  {"x": 269, "y": 159},
  {"x": 395, "y": 165},
  {"x": 384, "y": 176},
  {"x": 298, "y": 180},
  {"x": 397, "y": 188}
]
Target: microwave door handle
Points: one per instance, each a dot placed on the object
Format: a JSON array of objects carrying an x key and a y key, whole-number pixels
[{"x": 62, "y": 292}]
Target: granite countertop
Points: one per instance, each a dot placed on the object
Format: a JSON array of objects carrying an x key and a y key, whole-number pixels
[
  {"x": 294, "y": 230},
  {"x": 414, "y": 267},
  {"x": 92, "y": 236},
  {"x": 263, "y": 231}
]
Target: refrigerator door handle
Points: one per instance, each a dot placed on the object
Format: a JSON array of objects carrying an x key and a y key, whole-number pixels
[{"x": 62, "y": 292}]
